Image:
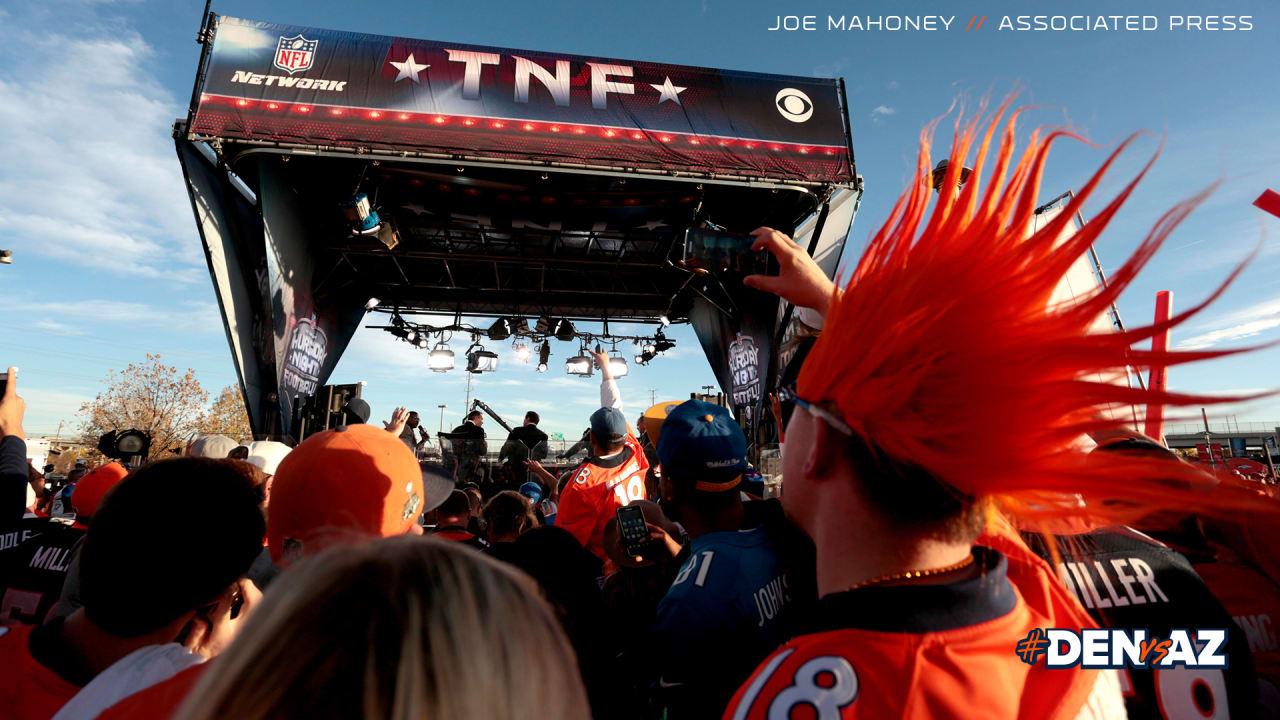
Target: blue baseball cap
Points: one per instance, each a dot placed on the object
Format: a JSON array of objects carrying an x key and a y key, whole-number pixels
[
  {"x": 533, "y": 491},
  {"x": 608, "y": 425},
  {"x": 700, "y": 442}
]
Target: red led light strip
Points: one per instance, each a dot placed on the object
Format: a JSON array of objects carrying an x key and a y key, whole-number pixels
[{"x": 486, "y": 123}]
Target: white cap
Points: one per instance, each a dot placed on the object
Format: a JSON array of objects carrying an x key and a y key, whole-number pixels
[
  {"x": 266, "y": 455},
  {"x": 212, "y": 446}
]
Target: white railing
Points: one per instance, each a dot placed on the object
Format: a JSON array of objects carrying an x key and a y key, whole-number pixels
[{"x": 1223, "y": 427}]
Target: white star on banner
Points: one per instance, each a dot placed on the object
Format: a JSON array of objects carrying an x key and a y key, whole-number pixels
[
  {"x": 415, "y": 209},
  {"x": 653, "y": 225},
  {"x": 667, "y": 91},
  {"x": 408, "y": 69}
]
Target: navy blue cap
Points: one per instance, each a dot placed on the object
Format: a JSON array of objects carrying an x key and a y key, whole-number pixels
[
  {"x": 608, "y": 425},
  {"x": 700, "y": 442}
]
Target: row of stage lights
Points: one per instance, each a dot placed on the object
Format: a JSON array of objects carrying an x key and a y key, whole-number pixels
[
  {"x": 482, "y": 123},
  {"x": 442, "y": 358}
]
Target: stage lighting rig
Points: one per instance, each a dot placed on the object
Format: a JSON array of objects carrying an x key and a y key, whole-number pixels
[
  {"x": 128, "y": 446},
  {"x": 6, "y": 257},
  {"x": 661, "y": 344},
  {"x": 522, "y": 351},
  {"x": 617, "y": 364},
  {"x": 364, "y": 220},
  {"x": 564, "y": 330},
  {"x": 441, "y": 358},
  {"x": 544, "y": 354},
  {"x": 580, "y": 364},
  {"x": 480, "y": 360},
  {"x": 500, "y": 329}
]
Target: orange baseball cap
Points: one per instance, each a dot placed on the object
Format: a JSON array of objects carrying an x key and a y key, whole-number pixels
[
  {"x": 353, "y": 481},
  {"x": 90, "y": 488}
]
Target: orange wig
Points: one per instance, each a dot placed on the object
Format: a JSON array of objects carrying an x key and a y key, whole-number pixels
[{"x": 943, "y": 353}]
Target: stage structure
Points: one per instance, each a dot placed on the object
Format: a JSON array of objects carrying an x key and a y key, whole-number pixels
[{"x": 334, "y": 174}]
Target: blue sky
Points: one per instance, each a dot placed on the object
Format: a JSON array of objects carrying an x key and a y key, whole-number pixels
[{"x": 108, "y": 264}]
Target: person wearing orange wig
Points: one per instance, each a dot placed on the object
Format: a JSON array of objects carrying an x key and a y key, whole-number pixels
[{"x": 943, "y": 336}]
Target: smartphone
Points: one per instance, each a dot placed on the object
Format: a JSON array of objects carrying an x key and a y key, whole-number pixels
[
  {"x": 633, "y": 529},
  {"x": 723, "y": 252}
]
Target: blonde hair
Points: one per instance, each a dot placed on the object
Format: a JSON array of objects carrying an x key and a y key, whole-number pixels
[{"x": 405, "y": 627}]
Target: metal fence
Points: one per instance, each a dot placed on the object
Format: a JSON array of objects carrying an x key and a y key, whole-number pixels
[{"x": 1223, "y": 427}]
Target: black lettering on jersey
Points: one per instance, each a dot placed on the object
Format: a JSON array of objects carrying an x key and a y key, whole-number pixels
[{"x": 1116, "y": 583}]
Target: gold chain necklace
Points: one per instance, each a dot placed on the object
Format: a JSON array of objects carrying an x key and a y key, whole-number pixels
[{"x": 912, "y": 574}]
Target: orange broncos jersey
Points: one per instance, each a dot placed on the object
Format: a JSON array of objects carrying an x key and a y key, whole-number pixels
[
  {"x": 597, "y": 488},
  {"x": 159, "y": 701},
  {"x": 29, "y": 691},
  {"x": 931, "y": 651}
]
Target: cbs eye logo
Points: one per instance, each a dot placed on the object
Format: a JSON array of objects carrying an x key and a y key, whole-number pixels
[{"x": 793, "y": 105}]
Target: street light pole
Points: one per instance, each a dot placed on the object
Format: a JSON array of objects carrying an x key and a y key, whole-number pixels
[{"x": 442, "y": 407}]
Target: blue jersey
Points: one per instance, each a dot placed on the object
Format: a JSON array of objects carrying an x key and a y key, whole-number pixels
[{"x": 718, "y": 620}]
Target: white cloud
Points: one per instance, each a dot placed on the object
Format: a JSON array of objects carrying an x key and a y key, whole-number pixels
[
  {"x": 882, "y": 111},
  {"x": 72, "y": 318},
  {"x": 1238, "y": 325},
  {"x": 57, "y": 328},
  {"x": 894, "y": 85},
  {"x": 90, "y": 175}
]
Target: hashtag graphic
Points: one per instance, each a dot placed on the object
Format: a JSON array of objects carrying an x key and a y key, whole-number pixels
[{"x": 1032, "y": 646}]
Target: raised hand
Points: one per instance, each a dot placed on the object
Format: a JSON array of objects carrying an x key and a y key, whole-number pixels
[
  {"x": 12, "y": 408},
  {"x": 398, "y": 419}
]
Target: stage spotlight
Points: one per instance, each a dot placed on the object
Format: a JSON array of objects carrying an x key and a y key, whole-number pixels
[
  {"x": 522, "y": 351},
  {"x": 423, "y": 342},
  {"x": 399, "y": 332},
  {"x": 579, "y": 365},
  {"x": 411, "y": 336},
  {"x": 644, "y": 358},
  {"x": 441, "y": 358},
  {"x": 500, "y": 329},
  {"x": 544, "y": 354},
  {"x": 662, "y": 346},
  {"x": 6, "y": 257},
  {"x": 372, "y": 303},
  {"x": 564, "y": 330},
  {"x": 519, "y": 326},
  {"x": 665, "y": 320},
  {"x": 544, "y": 326},
  {"x": 617, "y": 365},
  {"x": 363, "y": 218},
  {"x": 480, "y": 360}
]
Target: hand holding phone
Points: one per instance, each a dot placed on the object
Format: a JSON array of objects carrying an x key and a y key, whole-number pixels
[
  {"x": 723, "y": 252},
  {"x": 633, "y": 530}
]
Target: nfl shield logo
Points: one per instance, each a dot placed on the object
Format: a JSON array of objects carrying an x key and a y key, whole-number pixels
[{"x": 294, "y": 54}]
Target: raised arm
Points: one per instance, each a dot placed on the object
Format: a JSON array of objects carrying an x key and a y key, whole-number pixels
[{"x": 609, "y": 396}]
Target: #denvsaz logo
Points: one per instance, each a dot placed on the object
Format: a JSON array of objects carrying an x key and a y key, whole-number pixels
[{"x": 1118, "y": 648}]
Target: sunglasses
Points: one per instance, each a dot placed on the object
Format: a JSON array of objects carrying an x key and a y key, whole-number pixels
[{"x": 789, "y": 401}]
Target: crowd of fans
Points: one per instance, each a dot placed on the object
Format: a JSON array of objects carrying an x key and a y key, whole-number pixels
[{"x": 352, "y": 577}]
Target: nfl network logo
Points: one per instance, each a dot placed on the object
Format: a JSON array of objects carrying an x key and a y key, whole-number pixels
[
  {"x": 1118, "y": 648},
  {"x": 294, "y": 54}
]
